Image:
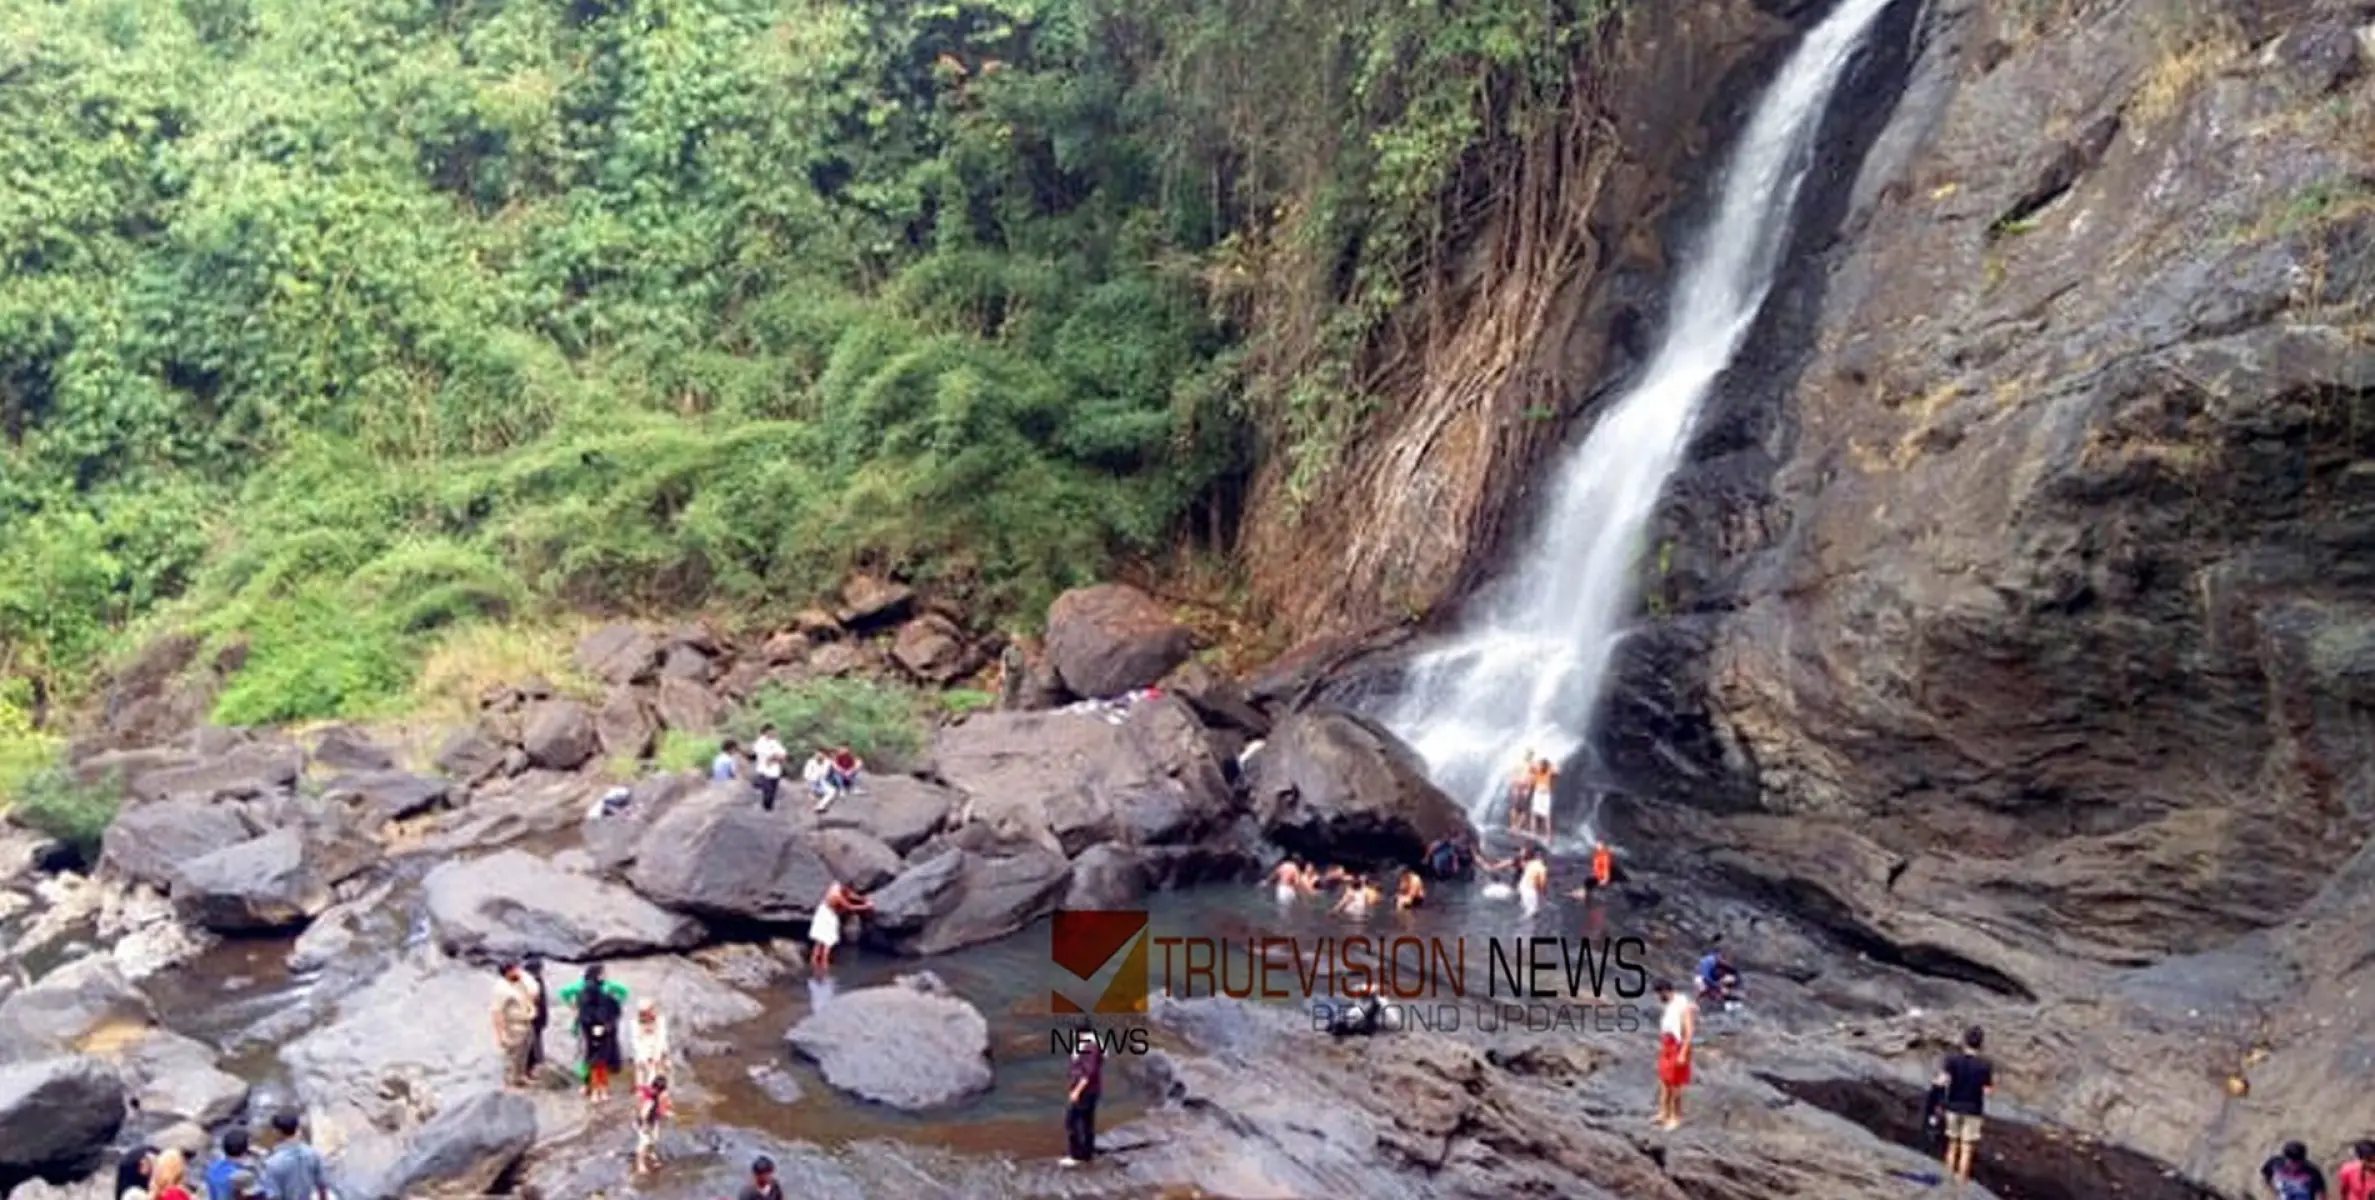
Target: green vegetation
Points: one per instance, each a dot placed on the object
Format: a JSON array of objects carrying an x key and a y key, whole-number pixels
[
  {"x": 343, "y": 327},
  {"x": 883, "y": 723},
  {"x": 53, "y": 802}
]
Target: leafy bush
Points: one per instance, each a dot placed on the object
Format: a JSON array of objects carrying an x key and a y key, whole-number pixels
[
  {"x": 53, "y": 802},
  {"x": 957, "y": 702},
  {"x": 681, "y": 751},
  {"x": 883, "y": 723}
]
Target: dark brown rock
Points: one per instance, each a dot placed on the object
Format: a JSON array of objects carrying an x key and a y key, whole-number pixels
[
  {"x": 1111, "y": 638},
  {"x": 559, "y": 735},
  {"x": 469, "y": 756},
  {"x": 618, "y": 655},
  {"x": 870, "y": 601},
  {"x": 626, "y": 724},
  {"x": 688, "y": 706},
  {"x": 1337, "y": 788},
  {"x": 932, "y": 649},
  {"x": 838, "y": 658}
]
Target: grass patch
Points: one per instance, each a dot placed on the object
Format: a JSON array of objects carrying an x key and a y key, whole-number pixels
[
  {"x": 2192, "y": 45},
  {"x": 53, "y": 802},
  {"x": 681, "y": 751},
  {"x": 958, "y": 702},
  {"x": 883, "y": 723},
  {"x": 466, "y": 662}
]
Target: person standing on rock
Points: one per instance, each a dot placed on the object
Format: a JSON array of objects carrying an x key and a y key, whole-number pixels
[
  {"x": 1678, "y": 1027},
  {"x": 533, "y": 969},
  {"x": 170, "y": 1179},
  {"x": 2356, "y": 1178},
  {"x": 293, "y": 1171},
  {"x": 1521, "y": 793},
  {"x": 1968, "y": 1078},
  {"x": 651, "y": 1108},
  {"x": 599, "y": 1003},
  {"x": 2290, "y": 1175},
  {"x": 515, "y": 1023},
  {"x": 132, "y": 1173},
  {"x": 238, "y": 1156},
  {"x": 1541, "y": 778},
  {"x": 766, "y": 757},
  {"x": 651, "y": 1043},
  {"x": 1087, "y": 1081},
  {"x": 824, "y": 929}
]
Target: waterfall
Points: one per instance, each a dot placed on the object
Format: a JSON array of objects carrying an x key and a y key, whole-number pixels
[{"x": 1527, "y": 668}]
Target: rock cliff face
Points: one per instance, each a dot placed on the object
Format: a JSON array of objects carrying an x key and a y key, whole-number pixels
[
  {"x": 1553, "y": 297},
  {"x": 2016, "y": 608}
]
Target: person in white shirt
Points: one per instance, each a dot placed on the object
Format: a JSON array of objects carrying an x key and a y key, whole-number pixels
[
  {"x": 1678, "y": 1026},
  {"x": 766, "y": 756},
  {"x": 818, "y": 775}
]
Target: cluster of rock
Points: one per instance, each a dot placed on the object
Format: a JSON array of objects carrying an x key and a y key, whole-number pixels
[{"x": 1008, "y": 815}]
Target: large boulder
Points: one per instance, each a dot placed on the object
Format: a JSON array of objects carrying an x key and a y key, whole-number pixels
[
  {"x": 963, "y": 897},
  {"x": 261, "y": 884},
  {"x": 1073, "y": 779},
  {"x": 559, "y": 735},
  {"x": 57, "y": 1116},
  {"x": 150, "y": 843},
  {"x": 1332, "y": 786},
  {"x": 687, "y": 705},
  {"x": 716, "y": 854},
  {"x": 869, "y": 601},
  {"x": 909, "y": 1046},
  {"x": 932, "y": 649},
  {"x": 618, "y": 655},
  {"x": 856, "y": 858},
  {"x": 462, "y": 1150},
  {"x": 377, "y": 797},
  {"x": 900, "y": 811},
  {"x": 471, "y": 755},
  {"x": 344, "y": 748},
  {"x": 513, "y": 904},
  {"x": 177, "y": 1078},
  {"x": 1111, "y": 638},
  {"x": 66, "y": 1005},
  {"x": 244, "y": 771},
  {"x": 611, "y": 841},
  {"x": 626, "y": 725},
  {"x": 1107, "y": 877}
]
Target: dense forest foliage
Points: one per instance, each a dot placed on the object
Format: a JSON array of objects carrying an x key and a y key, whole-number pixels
[{"x": 338, "y": 325}]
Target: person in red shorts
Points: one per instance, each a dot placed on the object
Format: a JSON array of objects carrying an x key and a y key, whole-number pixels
[{"x": 1677, "y": 1026}]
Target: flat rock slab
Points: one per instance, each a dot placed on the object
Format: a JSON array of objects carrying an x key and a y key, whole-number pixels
[
  {"x": 513, "y": 904},
  {"x": 906, "y": 1046}
]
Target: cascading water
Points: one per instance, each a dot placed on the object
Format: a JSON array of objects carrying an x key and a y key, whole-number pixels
[{"x": 1527, "y": 669}]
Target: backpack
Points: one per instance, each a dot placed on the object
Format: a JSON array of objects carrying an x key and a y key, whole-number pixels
[{"x": 2292, "y": 1181}]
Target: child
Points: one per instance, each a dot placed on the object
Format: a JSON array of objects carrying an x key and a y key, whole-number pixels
[{"x": 651, "y": 1108}]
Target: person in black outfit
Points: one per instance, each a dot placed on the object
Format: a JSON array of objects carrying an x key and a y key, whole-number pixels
[
  {"x": 534, "y": 967},
  {"x": 1087, "y": 1077},
  {"x": 132, "y": 1172},
  {"x": 1966, "y": 1079},
  {"x": 2292, "y": 1176}
]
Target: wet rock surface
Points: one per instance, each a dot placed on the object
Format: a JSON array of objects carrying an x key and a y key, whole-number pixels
[{"x": 910, "y": 1045}]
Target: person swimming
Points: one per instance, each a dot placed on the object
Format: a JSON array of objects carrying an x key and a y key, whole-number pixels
[
  {"x": 1359, "y": 897},
  {"x": 1412, "y": 893},
  {"x": 1287, "y": 881}
]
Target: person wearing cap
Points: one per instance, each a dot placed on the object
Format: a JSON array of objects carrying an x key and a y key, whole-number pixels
[
  {"x": 651, "y": 1043},
  {"x": 762, "y": 1181}
]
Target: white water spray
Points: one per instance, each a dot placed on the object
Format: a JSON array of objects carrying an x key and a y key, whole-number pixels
[{"x": 1526, "y": 671}]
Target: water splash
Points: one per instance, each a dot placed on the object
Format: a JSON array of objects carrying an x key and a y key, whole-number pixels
[{"x": 1527, "y": 670}]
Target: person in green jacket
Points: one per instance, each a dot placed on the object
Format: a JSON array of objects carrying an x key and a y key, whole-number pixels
[{"x": 600, "y": 1005}]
